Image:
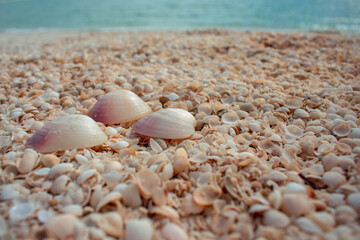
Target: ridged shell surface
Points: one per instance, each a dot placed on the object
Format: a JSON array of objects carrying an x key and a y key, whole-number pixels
[
  {"x": 171, "y": 123},
  {"x": 119, "y": 106},
  {"x": 66, "y": 133}
]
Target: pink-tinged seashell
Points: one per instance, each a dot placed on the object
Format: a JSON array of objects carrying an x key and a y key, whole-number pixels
[
  {"x": 171, "y": 123},
  {"x": 119, "y": 106},
  {"x": 66, "y": 133}
]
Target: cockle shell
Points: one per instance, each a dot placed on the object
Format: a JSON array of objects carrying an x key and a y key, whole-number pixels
[
  {"x": 68, "y": 132},
  {"x": 170, "y": 123},
  {"x": 119, "y": 106}
]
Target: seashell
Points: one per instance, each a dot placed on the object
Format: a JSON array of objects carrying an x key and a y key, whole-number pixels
[
  {"x": 131, "y": 195},
  {"x": 293, "y": 187},
  {"x": 60, "y": 169},
  {"x": 258, "y": 208},
  {"x": 180, "y": 160},
  {"x": 21, "y": 211},
  {"x": 68, "y": 132},
  {"x": 206, "y": 195},
  {"x": 3, "y": 227},
  {"x": 230, "y": 118},
  {"x": 111, "y": 223},
  {"x": 138, "y": 229},
  {"x": 188, "y": 206},
  {"x": 342, "y": 129},
  {"x": 62, "y": 226},
  {"x": 323, "y": 220},
  {"x": 333, "y": 179},
  {"x": 28, "y": 161},
  {"x": 44, "y": 216},
  {"x": 50, "y": 160},
  {"x": 119, "y": 106},
  {"x": 74, "y": 209},
  {"x": 165, "y": 211},
  {"x": 308, "y": 225},
  {"x": 108, "y": 199},
  {"x": 172, "y": 231},
  {"x": 60, "y": 184},
  {"x": 295, "y": 204},
  {"x": 354, "y": 201},
  {"x": 170, "y": 123},
  {"x": 293, "y": 102},
  {"x": 276, "y": 219},
  {"x": 147, "y": 180},
  {"x": 355, "y": 133},
  {"x": 300, "y": 113}
]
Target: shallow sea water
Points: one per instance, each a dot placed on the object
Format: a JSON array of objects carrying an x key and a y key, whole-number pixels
[{"x": 295, "y": 15}]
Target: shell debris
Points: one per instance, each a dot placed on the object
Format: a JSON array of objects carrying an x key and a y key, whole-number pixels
[{"x": 176, "y": 136}]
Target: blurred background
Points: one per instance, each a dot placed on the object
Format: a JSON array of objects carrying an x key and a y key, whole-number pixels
[{"x": 113, "y": 15}]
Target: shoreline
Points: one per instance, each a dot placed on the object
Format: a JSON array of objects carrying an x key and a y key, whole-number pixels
[{"x": 275, "y": 153}]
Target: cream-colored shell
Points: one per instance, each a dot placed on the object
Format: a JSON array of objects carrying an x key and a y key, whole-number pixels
[
  {"x": 119, "y": 106},
  {"x": 170, "y": 123},
  {"x": 66, "y": 133}
]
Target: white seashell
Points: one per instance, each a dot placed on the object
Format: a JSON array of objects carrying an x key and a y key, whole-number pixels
[
  {"x": 333, "y": 179},
  {"x": 172, "y": 231},
  {"x": 119, "y": 106},
  {"x": 74, "y": 209},
  {"x": 68, "y": 132},
  {"x": 171, "y": 123},
  {"x": 21, "y": 211},
  {"x": 43, "y": 215},
  {"x": 138, "y": 230},
  {"x": 354, "y": 201},
  {"x": 293, "y": 187},
  {"x": 28, "y": 161},
  {"x": 9, "y": 192},
  {"x": 276, "y": 219},
  {"x": 230, "y": 118},
  {"x": 308, "y": 226},
  {"x": 64, "y": 226}
]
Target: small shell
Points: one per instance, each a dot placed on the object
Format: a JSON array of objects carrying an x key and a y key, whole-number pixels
[
  {"x": 138, "y": 230},
  {"x": 119, "y": 106},
  {"x": 180, "y": 160},
  {"x": 68, "y": 132},
  {"x": 147, "y": 180},
  {"x": 171, "y": 123},
  {"x": 28, "y": 161},
  {"x": 171, "y": 231},
  {"x": 111, "y": 223},
  {"x": 293, "y": 102},
  {"x": 62, "y": 226},
  {"x": 342, "y": 129},
  {"x": 276, "y": 219},
  {"x": 206, "y": 195}
]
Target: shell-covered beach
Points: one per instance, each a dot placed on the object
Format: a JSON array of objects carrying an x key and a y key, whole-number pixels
[{"x": 274, "y": 155}]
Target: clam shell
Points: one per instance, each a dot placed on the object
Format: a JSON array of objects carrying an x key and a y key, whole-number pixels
[
  {"x": 68, "y": 132},
  {"x": 119, "y": 106},
  {"x": 171, "y": 123}
]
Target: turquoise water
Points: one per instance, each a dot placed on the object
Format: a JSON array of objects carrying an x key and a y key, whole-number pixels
[{"x": 323, "y": 15}]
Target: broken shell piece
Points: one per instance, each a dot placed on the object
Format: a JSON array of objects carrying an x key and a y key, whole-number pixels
[
  {"x": 170, "y": 123},
  {"x": 138, "y": 230},
  {"x": 111, "y": 223},
  {"x": 119, "y": 106},
  {"x": 147, "y": 182},
  {"x": 68, "y": 132},
  {"x": 206, "y": 195}
]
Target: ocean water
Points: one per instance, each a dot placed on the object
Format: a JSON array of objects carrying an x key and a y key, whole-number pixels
[{"x": 287, "y": 15}]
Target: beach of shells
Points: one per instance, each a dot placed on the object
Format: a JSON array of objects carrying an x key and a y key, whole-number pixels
[{"x": 274, "y": 154}]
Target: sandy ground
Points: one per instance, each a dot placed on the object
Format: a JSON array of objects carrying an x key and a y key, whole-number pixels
[{"x": 275, "y": 154}]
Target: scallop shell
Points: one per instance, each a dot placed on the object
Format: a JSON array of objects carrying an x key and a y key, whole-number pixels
[
  {"x": 68, "y": 132},
  {"x": 119, "y": 106},
  {"x": 171, "y": 123}
]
